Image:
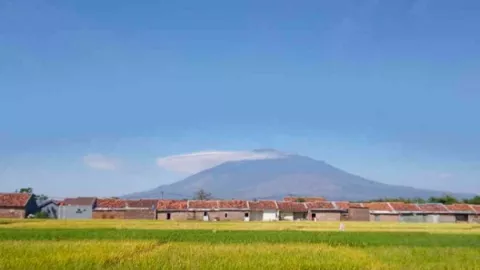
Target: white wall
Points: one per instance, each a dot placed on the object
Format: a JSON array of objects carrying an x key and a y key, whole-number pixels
[
  {"x": 286, "y": 215},
  {"x": 269, "y": 215}
]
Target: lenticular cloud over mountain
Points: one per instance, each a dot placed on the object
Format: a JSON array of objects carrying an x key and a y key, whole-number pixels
[{"x": 198, "y": 161}]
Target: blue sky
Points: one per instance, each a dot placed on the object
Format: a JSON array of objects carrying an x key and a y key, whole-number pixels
[{"x": 93, "y": 93}]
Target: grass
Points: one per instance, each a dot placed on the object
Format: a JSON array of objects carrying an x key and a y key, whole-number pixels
[{"x": 38, "y": 244}]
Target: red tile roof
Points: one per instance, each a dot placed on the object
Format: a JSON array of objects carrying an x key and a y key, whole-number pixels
[
  {"x": 232, "y": 204},
  {"x": 304, "y": 199},
  {"x": 378, "y": 206},
  {"x": 79, "y": 201},
  {"x": 356, "y": 205},
  {"x": 14, "y": 199},
  {"x": 262, "y": 205},
  {"x": 459, "y": 207},
  {"x": 320, "y": 205},
  {"x": 476, "y": 207},
  {"x": 142, "y": 203},
  {"x": 203, "y": 204},
  {"x": 111, "y": 203},
  {"x": 342, "y": 205},
  {"x": 432, "y": 208},
  {"x": 292, "y": 206},
  {"x": 172, "y": 205},
  {"x": 404, "y": 207}
]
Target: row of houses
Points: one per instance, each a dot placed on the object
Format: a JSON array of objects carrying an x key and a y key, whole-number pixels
[{"x": 18, "y": 205}]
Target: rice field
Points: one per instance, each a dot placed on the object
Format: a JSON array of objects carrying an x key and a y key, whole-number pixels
[{"x": 34, "y": 244}]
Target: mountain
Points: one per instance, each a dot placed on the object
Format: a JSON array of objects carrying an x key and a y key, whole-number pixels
[{"x": 286, "y": 174}]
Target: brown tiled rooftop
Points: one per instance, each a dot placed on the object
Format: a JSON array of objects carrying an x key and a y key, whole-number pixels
[
  {"x": 210, "y": 204},
  {"x": 262, "y": 205},
  {"x": 232, "y": 204},
  {"x": 342, "y": 205},
  {"x": 14, "y": 199},
  {"x": 459, "y": 207},
  {"x": 304, "y": 199},
  {"x": 142, "y": 203},
  {"x": 378, "y": 206},
  {"x": 432, "y": 207},
  {"x": 79, "y": 201},
  {"x": 172, "y": 205},
  {"x": 111, "y": 203},
  {"x": 476, "y": 207},
  {"x": 404, "y": 207},
  {"x": 292, "y": 206},
  {"x": 356, "y": 205},
  {"x": 320, "y": 205}
]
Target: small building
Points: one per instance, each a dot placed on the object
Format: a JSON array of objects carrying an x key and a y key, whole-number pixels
[
  {"x": 172, "y": 210},
  {"x": 408, "y": 212},
  {"x": 17, "y": 205},
  {"x": 357, "y": 212},
  {"x": 323, "y": 211},
  {"x": 476, "y": 217},
  {"x": 263, "y": 210},
  {"x": 435, "y": 213},
  {"x": 203, "y": 210},
  {"x": 110, "y": 209},
  {"x": 462, "y": 212},
  {"x": 141, "y": 209},
  {"x": 76, "y": 208},
  {"x": 232, "y": 210},
  {"x": 292, "y": 210},
  {"x": 382, "y": 211},
  {"x": 49, "y": 207}
]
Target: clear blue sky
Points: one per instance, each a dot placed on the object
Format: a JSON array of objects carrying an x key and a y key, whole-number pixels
[{"x": 93, "y": 92}]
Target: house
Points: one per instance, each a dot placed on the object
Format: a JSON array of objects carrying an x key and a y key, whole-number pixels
[
  {"x": 462, "y": 212},
  {"x": 263, "y": 210},
  {"x": 172, "y": 210},
  {"x": 49, "y": 207},
  {"x": 76, "y": 208},
  {"x": 141, "y": 209},
  {"x": 435, "y": 213},
  {"x": 232, "y": 210},
  {"x": 109, "y": 209},
  {"x": 202, "y": 210},
  {"x": 17, "y": 205},
  {"x": 323, "y": 211},
  {"x": 357, "y": 212},
  {"x": 292, "y": 210},
  {"x": 408, "y": 212},
  {"x": 382, "y": 211},
  {"x": 476, "y": 218}
]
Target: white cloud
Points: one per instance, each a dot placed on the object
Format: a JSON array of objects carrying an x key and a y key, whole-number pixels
[
  {"x": 100, "y": 162},
  {"x": 195, "y": 162}
]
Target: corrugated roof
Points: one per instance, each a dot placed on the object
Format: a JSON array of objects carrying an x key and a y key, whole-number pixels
[
  {"x": 79, "y": 201},
  {"x": 378, "y": 206},
  {"x": 459, "y": 207},
  {"x": 232, "y": 204},
  {"x": 404, "y": 207},
  {"x": 476, "y": 207},
  {"x": 142, "y": 203},
  {"x": 172, "y": 205},
  {"x": 356, "y": 205},
  {"x": 111, "y": 203},
  {"x": 14, "y": 199},
  {"x": 342, "y": 205},
  {"x": 262, "y": 205},
  {"x": 320, "y": 205},
  {"x": 292, "y": 206},
  {"x": 197, "y": 204}
]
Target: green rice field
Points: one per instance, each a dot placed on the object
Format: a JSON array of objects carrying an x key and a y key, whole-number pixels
[{"x": 36, "y": 244}]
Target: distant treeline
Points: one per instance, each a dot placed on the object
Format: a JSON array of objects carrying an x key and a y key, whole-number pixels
[{"x": 446, "y": 199}]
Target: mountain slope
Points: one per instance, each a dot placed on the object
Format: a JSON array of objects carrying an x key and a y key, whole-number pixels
[{"x": 276, "y": 178}]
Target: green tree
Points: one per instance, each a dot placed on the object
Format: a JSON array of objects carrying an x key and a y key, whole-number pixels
[
  {"x": 445, "y": 199},
  {"x": 202, "y": 195},
  {"x": 474, "y": 200},
  {"x": 28, "y": 190}
]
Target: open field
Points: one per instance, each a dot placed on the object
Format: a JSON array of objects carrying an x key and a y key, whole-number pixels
[
  {"x": 34, "y": 244},
  {"x": 257, "y": 226}
]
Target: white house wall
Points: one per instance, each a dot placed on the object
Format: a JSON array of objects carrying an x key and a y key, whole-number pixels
[{"x": 269, "y": 215}]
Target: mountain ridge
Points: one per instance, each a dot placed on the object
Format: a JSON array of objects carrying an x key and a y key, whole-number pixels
[{"x": 275, "y": 178}]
